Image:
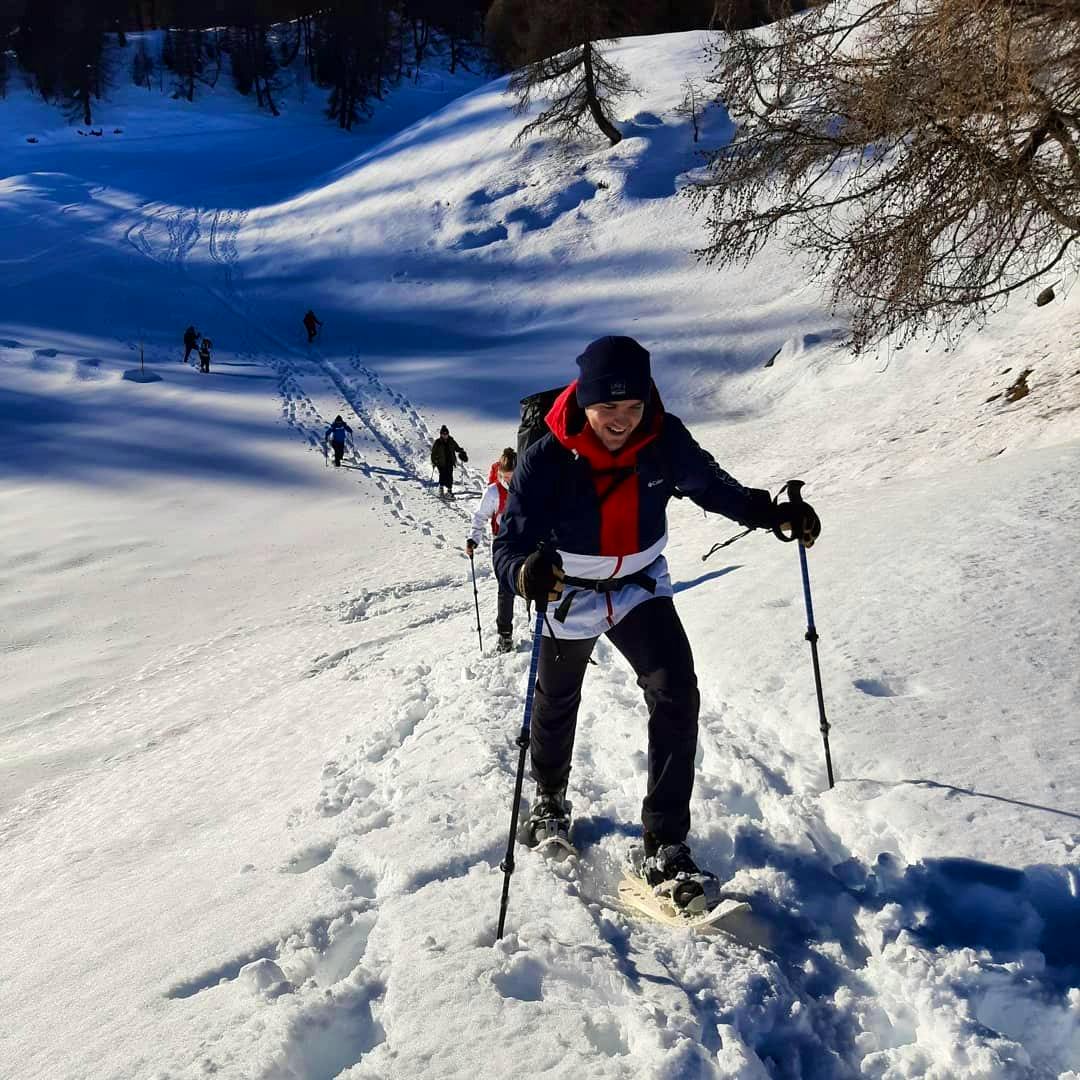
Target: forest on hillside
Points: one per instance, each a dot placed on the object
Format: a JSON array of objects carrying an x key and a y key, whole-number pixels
[{"x": 354, "y": 49}]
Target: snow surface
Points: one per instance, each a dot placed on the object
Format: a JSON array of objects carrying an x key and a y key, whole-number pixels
[{"x": 255, "y": 776}]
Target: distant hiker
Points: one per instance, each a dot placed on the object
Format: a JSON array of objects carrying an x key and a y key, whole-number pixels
[
  {"x": 584, "y": 527},
  {"x": 204, "y": 355},
  {"x": 335, "y": 436},
  {"x": 443, "y": 451},
  {"x": 311, "y": 324},
  {"x": 490, "y": 510},
  {"x": 191, "y": 342}
]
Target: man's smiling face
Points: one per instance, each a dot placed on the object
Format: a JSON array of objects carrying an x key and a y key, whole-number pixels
[{"x": 615, "y": 421}]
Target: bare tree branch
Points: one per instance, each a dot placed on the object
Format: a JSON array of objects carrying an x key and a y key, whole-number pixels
[{"x": 923, "y": 159}]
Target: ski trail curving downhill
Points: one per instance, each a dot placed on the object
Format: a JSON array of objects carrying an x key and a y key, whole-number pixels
[
  {"x": 394, "y": 424},
  {"x": 312, "y": 388}
]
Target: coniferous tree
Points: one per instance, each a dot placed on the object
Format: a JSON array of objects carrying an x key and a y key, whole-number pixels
[
  {"x": 62, "y": 46},
  {"x": 183, "y": 55},
  {"x": 347, "y": 60},
  {"x": 561, "y": 42},
  {"x": 142, "y": 66},
  {"x": 461, "y": 23},
  {"x": 354, "y": 48},
  {"x": 254, "y": 65},
  {"x": 922, "y": 159}
]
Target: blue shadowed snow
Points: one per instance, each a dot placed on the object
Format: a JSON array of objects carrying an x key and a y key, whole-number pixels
[{"x": 712, "y": 575}]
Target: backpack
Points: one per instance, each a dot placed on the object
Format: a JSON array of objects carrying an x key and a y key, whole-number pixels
[{"x": 533, "y": 410}]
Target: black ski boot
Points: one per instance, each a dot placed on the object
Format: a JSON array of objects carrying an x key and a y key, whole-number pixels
[
  {"x": 671, "y": 871},
  {"x": 505, "y": 644},
  {"x": 548, "y": 823}
]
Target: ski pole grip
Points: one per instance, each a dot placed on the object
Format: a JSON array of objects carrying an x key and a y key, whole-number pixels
[
  {"x": 793, "y": 489},
  {"x": 553, "y": 554}
]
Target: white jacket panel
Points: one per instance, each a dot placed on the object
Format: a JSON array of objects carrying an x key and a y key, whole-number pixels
[
  {"x": 488, "y": 508},
  {"x": 606, "y": 566}
]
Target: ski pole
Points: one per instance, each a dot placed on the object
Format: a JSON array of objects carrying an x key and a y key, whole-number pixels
[
  {"x": 507, "y": 865},
  {"x": 794, "y": 490},
  {"x": 476, "y": 598}
]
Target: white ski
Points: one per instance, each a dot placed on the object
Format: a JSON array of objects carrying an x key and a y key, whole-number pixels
[{"x": 636, "y": 894}]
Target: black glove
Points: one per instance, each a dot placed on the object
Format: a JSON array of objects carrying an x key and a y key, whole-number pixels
[
  {"x": 799, "y": 519},
  {"x": 540, "y": 577},
  {"x": 462, "y": 456},
  {"x": 470, "y": 546}
]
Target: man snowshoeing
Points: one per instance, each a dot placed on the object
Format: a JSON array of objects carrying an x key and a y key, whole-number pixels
[
  {"x": 204, "y": 355},
  {"x": 335, "y": 435},
  {"x": 584, "y": 527},
  {"x": 490, "y": 510},
  {"x": 312, "y": 324},
  {"x": 445, "y": 454}
]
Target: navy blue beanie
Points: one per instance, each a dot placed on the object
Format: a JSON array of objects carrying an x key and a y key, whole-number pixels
[{"x": 613, "y": 369}]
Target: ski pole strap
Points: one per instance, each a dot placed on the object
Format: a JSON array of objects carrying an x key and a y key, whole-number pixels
[
  {"x": 723, "y": 544},
  {"x": 601, "y": 585}
]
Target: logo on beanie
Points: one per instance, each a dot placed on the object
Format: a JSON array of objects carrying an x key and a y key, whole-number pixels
[{"x": 618, "y": 389}]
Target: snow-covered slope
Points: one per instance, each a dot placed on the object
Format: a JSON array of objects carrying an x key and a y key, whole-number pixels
[{"x": 255, "y": 774}]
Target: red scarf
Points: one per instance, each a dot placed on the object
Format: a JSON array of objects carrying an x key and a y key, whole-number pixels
[{"x": 619, "y": 510}]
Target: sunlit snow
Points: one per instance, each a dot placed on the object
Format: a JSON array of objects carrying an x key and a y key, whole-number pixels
[{"x": 255, "y": 774}]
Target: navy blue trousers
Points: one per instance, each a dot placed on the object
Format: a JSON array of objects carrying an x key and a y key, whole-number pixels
[{"x": 654, "y": 642}]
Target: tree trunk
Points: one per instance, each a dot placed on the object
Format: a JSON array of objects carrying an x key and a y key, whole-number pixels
[
  {"x": 309, "y": 51},
  {"x": 269, "y": 100},
  {"x": 613, "y": 134},
  {"x": 296, "y": 48}
]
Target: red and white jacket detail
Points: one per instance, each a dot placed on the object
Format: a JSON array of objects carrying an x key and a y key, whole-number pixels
[{"x": 492, "y": 504}]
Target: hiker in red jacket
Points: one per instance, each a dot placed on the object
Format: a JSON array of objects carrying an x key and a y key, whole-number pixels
[{"x": 490, "y": 509}]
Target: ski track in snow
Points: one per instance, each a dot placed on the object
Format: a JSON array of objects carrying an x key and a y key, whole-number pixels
[{"x": 391, "y": 441}]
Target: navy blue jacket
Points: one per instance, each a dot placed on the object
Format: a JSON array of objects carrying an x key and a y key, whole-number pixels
[
  {"x": 566, "y": 492},
  {"x": 336, "y": 432}
]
